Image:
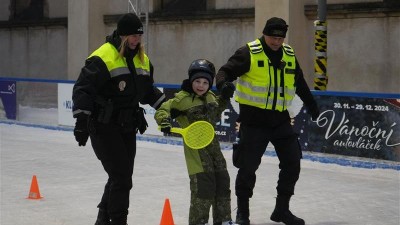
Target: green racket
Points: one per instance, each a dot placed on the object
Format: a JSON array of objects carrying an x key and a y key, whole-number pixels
[{"x": 197, "y": 135}]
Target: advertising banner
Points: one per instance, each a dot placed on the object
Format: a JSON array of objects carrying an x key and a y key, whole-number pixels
[
  {"x": 65, "y": 117},
  {"x": 352, "y": 126},
  {"x": 8, "y": 103}
]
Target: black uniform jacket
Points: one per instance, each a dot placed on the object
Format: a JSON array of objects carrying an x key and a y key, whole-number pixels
[
  {"x": 239, "y": 64},
  {"x": 95, "y": 89}
]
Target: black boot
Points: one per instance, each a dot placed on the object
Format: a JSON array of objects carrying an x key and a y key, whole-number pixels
[
  {"x": 102, "y": 218},
  {"x": 243, "y": 212},
  {"x": 120, "y": 219},
  {"x": 282, "y": 213}
]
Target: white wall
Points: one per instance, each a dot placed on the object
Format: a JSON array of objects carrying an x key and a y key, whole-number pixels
[
  {"x": 58, "y": 8},
  {"x": 374, "y": 42},
  {"x": 174, "y": 45},
  {"x": 34, "y": 52},
  {"x": 4, "y": 11},
  {"x": 234, "y": 4},
  {"x": 362, "y": 52}
]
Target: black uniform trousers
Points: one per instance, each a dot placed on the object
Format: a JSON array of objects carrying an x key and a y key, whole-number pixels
[
  {"x": 115, "y": 147},
  {"x": 254, "y": 140}
]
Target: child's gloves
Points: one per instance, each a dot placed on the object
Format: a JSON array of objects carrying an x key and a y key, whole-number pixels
[{"x": 165, "y": 126}]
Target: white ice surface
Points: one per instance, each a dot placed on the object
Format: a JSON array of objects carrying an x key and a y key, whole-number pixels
[{"x": 71, "y": 180}]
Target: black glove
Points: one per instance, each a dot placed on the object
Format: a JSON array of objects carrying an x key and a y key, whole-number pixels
[
  {"x": 227, "y": 90},
  {"x": 175, "y": 113},
  {"x": 81, "y": 131},
  {"x": 314, "y": 112},
  {"x": 141, "y": 121},
  {"x": 165, "y": 126}
]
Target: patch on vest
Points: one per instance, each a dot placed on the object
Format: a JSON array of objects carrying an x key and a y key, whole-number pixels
[
  {"x": 290, "y": 71},
  {"x": 122, "y": 85},
  {"x": 260, "y": 63}
]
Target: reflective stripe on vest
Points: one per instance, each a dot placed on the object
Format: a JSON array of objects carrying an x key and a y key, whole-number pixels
[
  {"x": 257, "y": 86},
  {"x": 117, "y": 65}
]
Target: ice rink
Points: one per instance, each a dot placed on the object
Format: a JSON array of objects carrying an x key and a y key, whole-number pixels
[{"x": 71, "y": 181}]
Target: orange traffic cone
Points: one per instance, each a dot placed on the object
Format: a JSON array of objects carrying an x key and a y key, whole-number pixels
[
  {"x": 34, "y": 193},
  {"x": 166, "y": 218}
]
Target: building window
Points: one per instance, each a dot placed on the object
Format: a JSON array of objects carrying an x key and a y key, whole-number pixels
[
  {"x": 182, "y": 5},
  {"x": 391, "y": 3},
  {"x": 26, "y": 10}
]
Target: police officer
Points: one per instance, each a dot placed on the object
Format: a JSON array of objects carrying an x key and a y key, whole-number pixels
[
  {"x": 115, "y": 78},
  {"x": 268, "y": 77}
]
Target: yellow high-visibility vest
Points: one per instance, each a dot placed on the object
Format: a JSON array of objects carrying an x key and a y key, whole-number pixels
[
  {"x": 117, "y": 65},
  {"x": 259, "y": 87}
]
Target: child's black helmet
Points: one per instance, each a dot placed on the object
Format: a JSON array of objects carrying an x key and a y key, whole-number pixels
[{"x": 202, "y": 68}]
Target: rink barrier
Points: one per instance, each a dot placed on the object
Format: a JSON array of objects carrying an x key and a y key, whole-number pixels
[
  {"x": 317, "y": 137},
  {"x": 309, "y": 156}
]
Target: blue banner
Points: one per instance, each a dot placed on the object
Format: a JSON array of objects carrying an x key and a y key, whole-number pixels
[
  {"x": 352, "y": 126},
  {"x": 8, "y": 99}
]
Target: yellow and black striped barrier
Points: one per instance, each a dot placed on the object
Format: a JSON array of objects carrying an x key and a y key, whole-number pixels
[{"x": 320, "y": 62}]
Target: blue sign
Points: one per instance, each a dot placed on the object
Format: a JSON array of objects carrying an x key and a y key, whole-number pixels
[
  {"x": 8, "y": 97},
  {"x": 353, "y": 126}
]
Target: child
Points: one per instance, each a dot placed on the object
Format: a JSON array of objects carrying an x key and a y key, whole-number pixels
[{"x": 209, "y": 178}]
